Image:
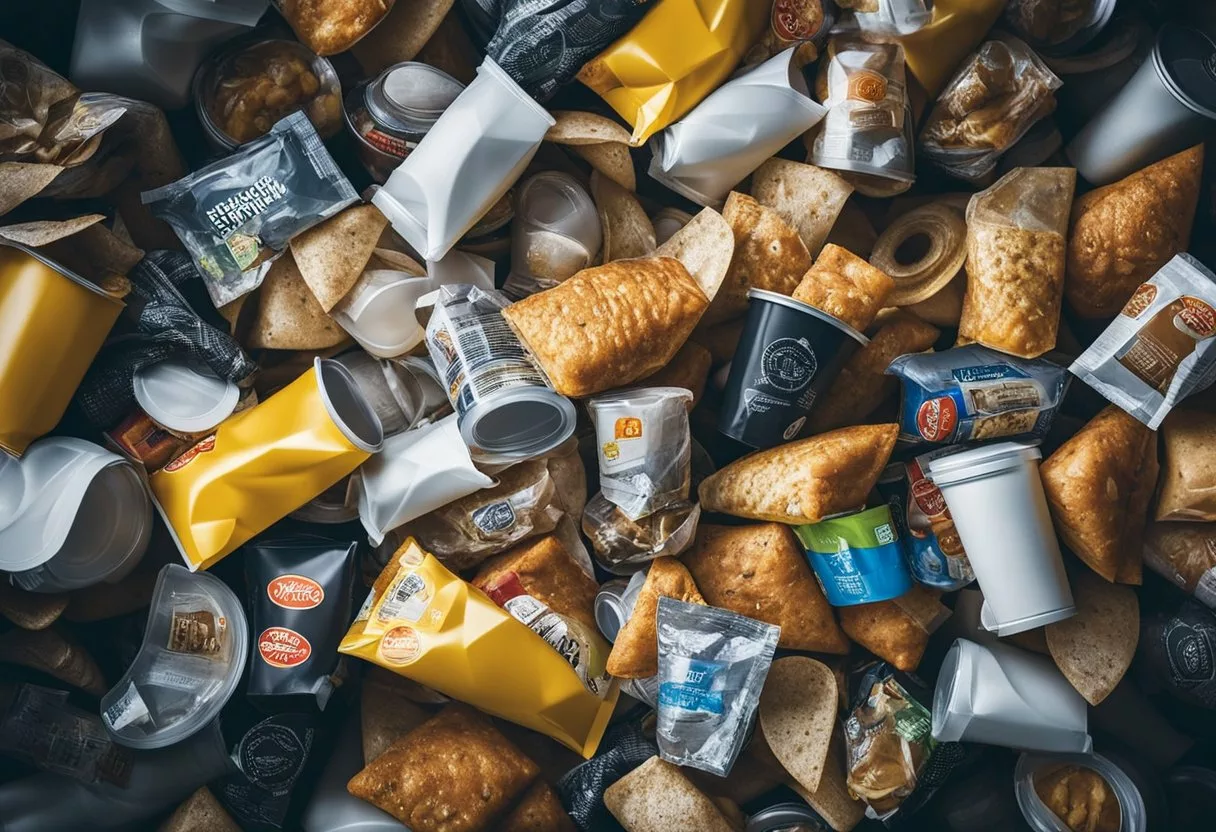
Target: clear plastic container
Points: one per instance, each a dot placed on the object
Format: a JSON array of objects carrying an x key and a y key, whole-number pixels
[
  {"x": 194, "y": 649},
  {"x": 1132, "y": 814}
]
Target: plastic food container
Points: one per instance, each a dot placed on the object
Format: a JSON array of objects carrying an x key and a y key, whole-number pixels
[
  {"x": 996, "y": 499},
  {"x": 242, "y": 90},
  {"x": 1132, "y": 813},
  {"x": 195, "y": 648}
]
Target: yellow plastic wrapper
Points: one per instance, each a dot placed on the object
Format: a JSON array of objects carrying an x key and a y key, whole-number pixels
[
  {"x": 936, "y": 51},
  {"x": 426, "y": 624},
  {"x": 52, "y": 323},
  {"x": 680, "y": 53},
  {"x": 265, "y": 462}
]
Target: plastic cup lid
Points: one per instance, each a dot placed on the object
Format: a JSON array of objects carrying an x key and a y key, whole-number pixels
[
  {"x": 185, "y": 397},
  {"x": 980, "y": 462},
  {"x": 1187, "y": 62}
]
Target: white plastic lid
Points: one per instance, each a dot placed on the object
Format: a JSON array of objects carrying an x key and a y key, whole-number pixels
[
  {"x": 185, "y": 397},
  {"x": 981, "y": 462}
]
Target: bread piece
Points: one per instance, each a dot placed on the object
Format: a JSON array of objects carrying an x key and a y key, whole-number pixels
[
  {"x": 610, "y": 325},
  {"x": 200, "y": 812},
  {"x": 769, "y": 254},
  {"x": 760, "y": 571},
  {"x": 288, "y": 316},
  {"x": 1097, "y": 486},
  {"x": 803, "y": 481},
  {"x": 1188, "y": 477},
  {"x": 845, "y": 286},
  {"x": 797, "y": 716},
  {"x": 807, "y": 197},
  {"x": 863, "y": 384},
  {"x": 657, "y": 797},
  {"x": 453, "y": 773},
  {"x": 1123, "y": 233},
  {"x": 635, "y": 653},
  {"x": 1094, "y": 648},
  {"x": 549, "y": 574}
]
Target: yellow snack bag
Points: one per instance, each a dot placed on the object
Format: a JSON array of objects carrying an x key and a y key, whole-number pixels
[
  {"x": 425, "y": 623},
  {"x": 936, "y": 51},
  {"x": 680, "y": 52},
  {"x": 265, "y": 462}
]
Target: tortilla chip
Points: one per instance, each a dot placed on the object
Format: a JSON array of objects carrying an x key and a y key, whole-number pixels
[
  {"x": 386, "y": 711},
  {"x": 20, "y": 181},
  {"x": 769, "y": 254},
  {"x": 575, "y": 127},
  {"x": 610, "y": 159},
  {"x": 657, "y": 797},
  {"x": 549, "y": 574},
  {"x": 288, "y": 315},
  {"x": 1097, "y": 486},
  {"x": 1094, "y": 648},
  {"x": 721, "y": 339},
  {"x": 808, "y": 198},
  {"x": 38, "y": 234},
  {"x": 798, "y": 715},
  {"x": 832, "y": 799},
  {"x": 538, "y": 811},
  {"x": 331, "y": 256},
  {"x": 53, "y": 652},
  {"x": 200, "y": 812},
  {"x": 627, "y": 231},
  {"x": 845, "y": 286},
  {"x": 760, "y": 571},
  {"x": 400, "y": 36},
  {"x": 609, "y": 325},
  {"x": 886, "y": 631},
  {"x": 635, "y": 653},
  {"x": 454, "y": 773},
  {"x": 688, "y": 369},
  {"x": 705, "y": 245},
  {"x": 30, "y": 610},
  {"x": 803, "y": 481},
  {"x": 863, "y": 384}
]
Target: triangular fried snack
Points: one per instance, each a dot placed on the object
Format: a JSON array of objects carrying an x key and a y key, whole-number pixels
[
  {"x": 331, "y": 257},
  {"x": 1097, "y": 485},
  {"x": 803, "y": 481},
  {"x": 635, "y": 653},
  {"x": 760, "y": 571},
  {"x": 1094, "y": 648}
]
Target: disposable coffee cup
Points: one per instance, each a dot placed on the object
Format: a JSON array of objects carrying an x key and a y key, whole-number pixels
[
  {"x": 1167, "y": 106},
  {"x": 195, "y": 647},
  {"x": 1013, "y": 551},
  {"x": 857, "y": 558},
  {"x": 734, "y": 130},
  {"x": 467, "y": 161},
  {"x": 71, "y": 515},
  {"x": 789, "y": 353},
  {"x": 1000, "y": 695},
  {"x": 184, "y": 398},
  {"x": 1133, "y": 816}
]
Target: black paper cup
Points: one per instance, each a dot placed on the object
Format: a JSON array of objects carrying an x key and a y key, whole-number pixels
[{"x": 788, "y": 355}]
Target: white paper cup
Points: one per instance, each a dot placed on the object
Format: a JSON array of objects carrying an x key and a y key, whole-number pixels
[
  {"x": 468, "y": 160},
  {"x": 996, "y": 499},
  {"x": 1000, "y": 695},
  {"x": 734, "y": 130}
]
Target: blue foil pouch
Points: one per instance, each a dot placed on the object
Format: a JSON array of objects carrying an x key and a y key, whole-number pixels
[{"x": 973, "y": 393}]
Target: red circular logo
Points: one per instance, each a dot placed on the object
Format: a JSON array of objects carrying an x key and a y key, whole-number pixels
[
  {"x": 929, "y": 497},
  {"x": 295, "y": 592},
  {"x": 281, "y": 647},
  {"x": 937, "y": 418},
  {"x": 400, "y": 645},
  {"x": 1198, "y": 317}
]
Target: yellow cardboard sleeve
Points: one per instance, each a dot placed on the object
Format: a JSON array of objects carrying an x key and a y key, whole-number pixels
[
  {"x": 680, "y": 52},
  {"x": 52, "y": 323},
  {"x": 935, "y": 52},
  {"x": 257, "y": 467},
  {"x": 428, "y": 625}
]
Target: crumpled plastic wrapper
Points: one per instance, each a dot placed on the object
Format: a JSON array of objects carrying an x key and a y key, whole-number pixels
[
  {"x": 57, "y": 141},
  {"x": 622, "y": 545}
]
